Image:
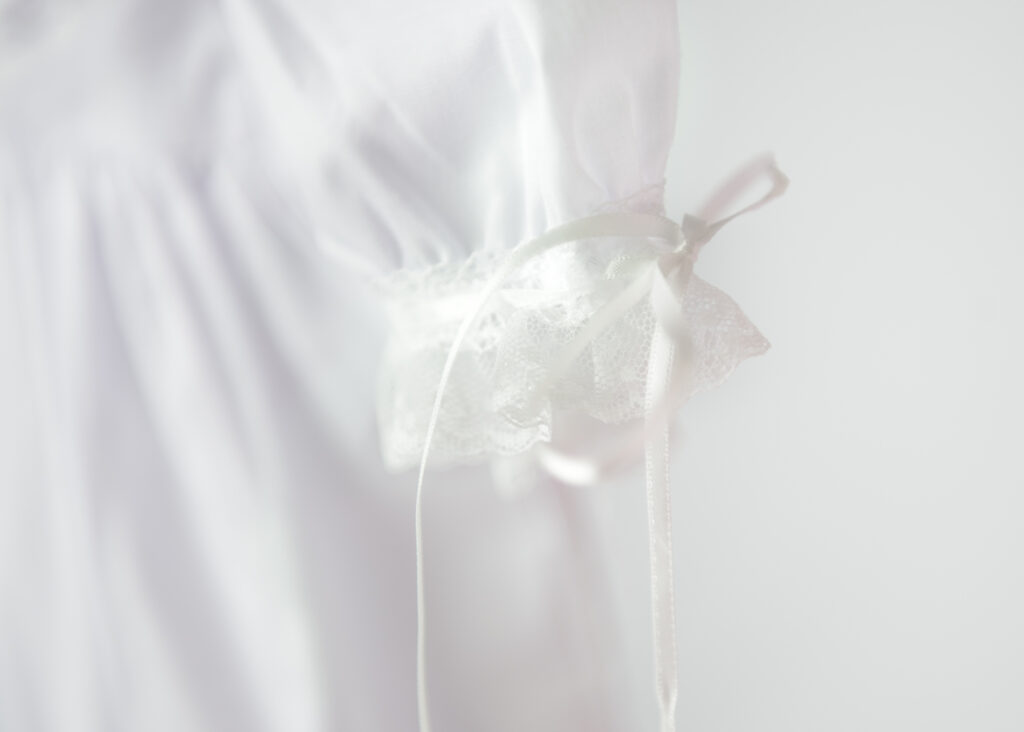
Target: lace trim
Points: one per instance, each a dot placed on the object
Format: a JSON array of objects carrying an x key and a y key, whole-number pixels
[{"x": 490, "y": 407}]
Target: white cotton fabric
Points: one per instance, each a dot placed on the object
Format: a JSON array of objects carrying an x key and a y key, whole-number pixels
[{"x": 199, "y": 204}]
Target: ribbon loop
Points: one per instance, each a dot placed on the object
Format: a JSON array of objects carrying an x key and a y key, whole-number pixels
[{"x": 663, "y": 278}]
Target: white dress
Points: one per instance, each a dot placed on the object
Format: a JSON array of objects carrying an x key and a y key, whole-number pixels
[{"x": 203, "y": 206}]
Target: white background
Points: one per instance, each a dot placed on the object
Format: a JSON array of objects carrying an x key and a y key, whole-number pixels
[{"x": 849, "y": 508}]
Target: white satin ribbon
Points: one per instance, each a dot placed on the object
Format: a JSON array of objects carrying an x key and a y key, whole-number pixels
[{"x": 663, "y": 279}]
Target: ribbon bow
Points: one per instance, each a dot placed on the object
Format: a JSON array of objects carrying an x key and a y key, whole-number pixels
[{"x": 663, "y": 278}]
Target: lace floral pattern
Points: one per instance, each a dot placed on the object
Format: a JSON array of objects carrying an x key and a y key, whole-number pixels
[{"x": 491, "y": 406}]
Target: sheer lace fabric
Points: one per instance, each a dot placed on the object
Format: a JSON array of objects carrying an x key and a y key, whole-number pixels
[{"x": 492, "y": 407}]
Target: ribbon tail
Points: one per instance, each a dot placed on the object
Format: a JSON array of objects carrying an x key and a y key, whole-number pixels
[
  {"x": 598, "y": 225},
  {"x": 659, "y": 517}
]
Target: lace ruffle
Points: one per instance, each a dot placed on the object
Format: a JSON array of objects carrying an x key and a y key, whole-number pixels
[{"x": 490, "y": 407}]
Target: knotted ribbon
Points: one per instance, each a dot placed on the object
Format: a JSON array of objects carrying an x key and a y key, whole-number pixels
[{"x": 663, "y": 279}]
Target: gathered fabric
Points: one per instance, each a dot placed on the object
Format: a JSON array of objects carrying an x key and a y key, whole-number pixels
[
  {"x": 200, "y": 531},
  {"x": 651, "y": 271}
]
